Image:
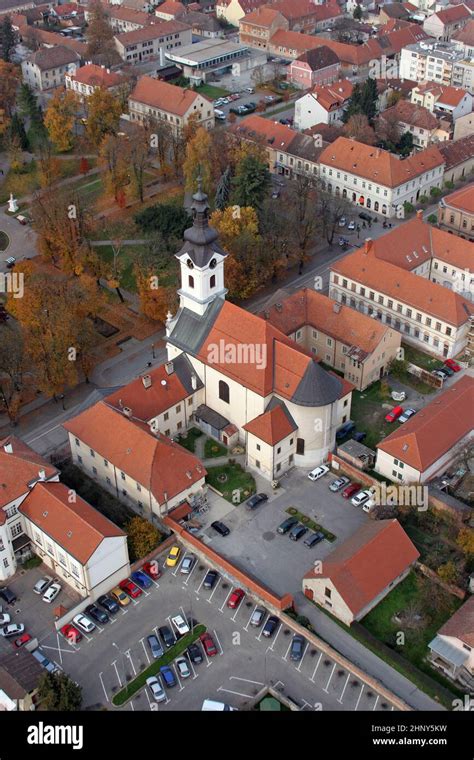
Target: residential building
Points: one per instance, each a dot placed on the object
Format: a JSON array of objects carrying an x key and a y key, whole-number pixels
[
  {"x": 458, "y": 156},
  {"x": 306, "y": 16},
  {"x": 324, "y": 104},
  {"x": 397, "y": 11},
  {"x": 319, "y": 66},
  {"x": 443, "y": 24},
  {"x": 464, "y": 127},
  {"x": 20, "y": 674},
  {"x": 440, "y": 62},
  {"x": 15, "y": 6},
  {"x": 90, "y": 77},
  {"x": 123, "y": 19},
  {"x": 154, "y": 99},
  {"x": 46, "y": 68},
  {"x": 170, "y": 10},
  {"x": 79, "y": 544},
  {"x": 361, "y": 571},
  {"x": 350, "y": 342},
  {"x": 67, "y": 14},
  {"x": 270, "y": 440},
  {"x": 452, "y": 649},
  {"x": 425, "y": 446},
  {"x": 20, "y": 469},
  {"x": 456, "y": 213},
  {"x": 203, "y": 24},
  {"x": 152, "y": 41},
  {"x": 257, "y": 28},
  {"x": 233, "y": 10},
  {"x": 434, "y": 319},
  {"x": 377, "y": 179},
  {"x": 209, "y": 58},
  {"x": 54, "y": 39},
  {"x": 443, "y": 100},
  {"x": 423, "y": 126},
  {"x": 464, "y": 39}
]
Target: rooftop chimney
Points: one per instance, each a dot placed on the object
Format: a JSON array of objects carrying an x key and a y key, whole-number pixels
[
  {"x": 194, "y": 382},
  {"x": 42, "y": 475},
  {"x": 368, "y": 245},
  {"x": 146, "y": 380},
  {"x": 8, "y": 448},
  {"x": 419, "y": 214},
  {"x": 127, "y": 411},
  {"x": 336, "y": 308},
  {"x": 169, "y": 368}
]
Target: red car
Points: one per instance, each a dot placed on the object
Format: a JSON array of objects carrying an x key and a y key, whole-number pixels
[
  {"x": 130, "y": 588},
  {"x": 71, "y": 633},
  {"x": 394, "y": 414},
  {"x": 235, "y": 598},
  {"x": 452, "y": 365},
  {"x": 23, "y": 639},
  {"x": 350, "y": 490},
  {"x": 208, "y": 644},
  {"x": 152, "y": 569}
]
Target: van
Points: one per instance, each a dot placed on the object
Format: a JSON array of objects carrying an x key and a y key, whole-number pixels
[
  {"x": 219, "y": 114},
  {"x": 211, "y": 704}
]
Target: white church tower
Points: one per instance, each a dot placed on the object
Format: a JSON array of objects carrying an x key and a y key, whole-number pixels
[{"x": 201, "y": 259}]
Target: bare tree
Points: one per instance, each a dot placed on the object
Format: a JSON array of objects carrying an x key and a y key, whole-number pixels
[{"x": 329, "y": 210}]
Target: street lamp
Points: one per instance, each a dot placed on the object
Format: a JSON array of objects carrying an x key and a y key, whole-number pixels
[{"x": 153, "y": 350}]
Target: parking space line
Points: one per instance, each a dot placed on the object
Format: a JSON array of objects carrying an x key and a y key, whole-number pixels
[
  {"x": 237, "y": 693},
  {"x": 317, "y": 664},
  {"x": 144, "y": 649},
  {"x": 344, "y": 689},
  {"x": 197, "y": 590},
  {"x": 178, "y": 679},
  {"x": 247, "y": 680},
  {"x": 178, "y": 567},
  {"x": 302, "y": 657},
  {"x": 114, "y": 663},
  {"x": 284, "y": 656},
  {"x": 132, "y": 706},
  {"x": 105, "y": 692},
  {"x": 329, "y": 679},
  {"x": 190, "y": 574},
  {"x": 377, "y": 701},
  {"x": 59, "y": 648},
  {"x": 128, "y": 654},
  {"x": 246, "y": 627},
  {"x": 195, "y": 675},
  {"x": 220, "y": 645},
  {"x": 362, "y": 689},
  {"x": 148, "y": 697},
  {"x": 275, "y": 639},
  {"x": 221, "y": 609},
  {"x": 214, "y": 590}
]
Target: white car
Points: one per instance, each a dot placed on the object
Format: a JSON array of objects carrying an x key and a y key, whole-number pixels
[
  {"x": 4, "y": 618},
  {"x": 156, "y": 689},
  {"x": 83, "y": 622},
  {"x": 14, "y": 629},
  {"x": 361, "y": 497},
  {"x": 342, "y": 221},
  {"x": 351, "y": 225},
  {"x": 369, "y": 506},
  {"x": 183, "y": 667},
  {"x": 318, "y": 472},
  {"x": 52, "y": 593},
  {"x": 41, "y": 585},
  {"x": 406, "y": 415},
  {"x": 180, "y": 624}
]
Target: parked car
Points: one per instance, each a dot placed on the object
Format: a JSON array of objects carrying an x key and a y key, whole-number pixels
[
  {"x": 52, "y": 592},
  {"x": 446, "y": 371},
  {"x": 394, "y": 414},
  {"x": 366, "y": 217},
  {"x": 10, "y": 262},
  {"x": 406, "y": 415},
  {"x": 208, "y": 643},
  {"x": 369, "y": 505},
  {"x": 270, "y": 626},
  {"x": 23, "y": 219},
  {"x": 346, "y": 429},
  {"x": 318, "y": 472},
  {"x": 352, "y": 225},
  {"x": 235, "y": 598},
  {"x": 257, "y": 617},
  {"x": 173, "y": 556},
  {"x": 297, "y": 648},
  {"x": 183, "y": 667},
  {"x": 339, "y": 484},
  {"x": 71, "y": 633},
  {"x": 440, "y": 375},
  {"x": 8, "y": 596},
  {"x": 141, "y": 579},
  {"x": 361, "y": 497},
  {"x": 4, "y": 618},
  {"x": 44, "y": 662},
  {"x": 167, "y": 636},
  {"x": 250, "y": 90},
  {"x": 350, "y": 490},
  {"x": 154, "y": 684},
  {"x": 452, "y": 365},
  {"x": 359, "y": 436},
  {"x": 210, "y": 579},
  {"x": 256, "y": 499},
  {"x": 41, "y": 585},
  {"x": 155, "y": 646},
  {"x": 120, "y": 596},
  {"x": 13, "y": 629},
  {"x": 83, "y": 622},
  {"x": 220, "y": 528},
  {"x": 168, "y": 676},
  {"x": 152, "y": 569},
  {"x": 22, "y": 640},
  {"x": 342, "y": 221},
  {"x": 99, "y": 615},
  {"x": 108, "y": 604},
  {"x": 187, "y": 564},
  {"x": 130, "y": 588},
  {"x": 313, "y": 539},
  {"x": 298, "y": 532},
  {"x": 180, "y": 624},
  {"x": 287, "y": 525},
  {"x": 275, "y": 194},
  {"x": 194, "y": 653}
]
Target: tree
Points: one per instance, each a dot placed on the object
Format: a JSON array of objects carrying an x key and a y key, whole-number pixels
[
  {"x": 223, "y": 190},
  {"x": 239, "y": 236},
  {"x": 114, "y": 162},
  {"x": 7, "y": 38},
  {"x": 100, "y": 35},
  {"x": 57, "y": 692},
  {"x": 277, "y": 238},
  {"x": 28, "y": 106},
  {"x": 62, "y": 226},
  {"x": 331, "y": 208},
  {"x": 465, "y": 541},
  {"x": 405, "y": 144},
  {"x": 59, "y": 119},
  {"x": 17, "y": 130},
  {"x": 142, "y": 537},
  {"x": 448, "y": 572},
  {"x": 251, "y": 182},
  {"x": 138, "y": 154},
  {"x": 357, "y": 12},
  {"x": 12, "y": 369},
  {"x": 160, "y": 139},
  {"x": 302, "y": 214},
  {"x": 198, "y": 161},
  {"x": 169, "y": 219},
  {"x": 393, "y": 98},
  {"x": 387, "y": 129},
  {"x": 358, "y": 128},
  {"x": 9, "y": 80},
  {"x": 103, "y": 115},
  {"x": 363, "y": 100}
]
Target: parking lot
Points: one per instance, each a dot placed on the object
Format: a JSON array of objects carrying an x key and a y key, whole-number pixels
[{"x": 104, "y": 661}]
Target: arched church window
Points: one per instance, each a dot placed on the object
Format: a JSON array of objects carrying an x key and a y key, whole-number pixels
[
  {"x": 224, "y": 393},
  {"x": 191, "y": 281},
  {"x": 212, "y": 281}
]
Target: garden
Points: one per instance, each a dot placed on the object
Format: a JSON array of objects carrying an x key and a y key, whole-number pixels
[
  {"x": 308, "y": 523},
  {"x": 230, "y": 478}
]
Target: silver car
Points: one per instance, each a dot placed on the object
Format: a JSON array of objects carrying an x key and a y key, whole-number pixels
[
  {"x": 258, "y": 616},
  {"x": 154, "y": 684},
  {"x": 183, "y": 667},
  {"x": 41, "y": 585},
  {"x": 187, "y": 564},
  {"x": 51, "y": 593}
]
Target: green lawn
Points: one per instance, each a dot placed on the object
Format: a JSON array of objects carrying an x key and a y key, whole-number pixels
[
  {"x": 211, "y": 91},
  {"x": 127, "y": 258},
  {"x": 237, "y": 480},
  {"x": 369, "y": 414},
  {"x": 89, "y": 188},
  {"x": 188, "y": 441},
  {"x": 310, "y": 523},
  {"x": 425, "y": 361},
  {"x": 214, "y": 449}
]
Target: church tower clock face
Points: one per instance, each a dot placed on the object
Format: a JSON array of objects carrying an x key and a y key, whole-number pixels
[
  {"x": 212, "y": 264},
  {"x": 190, "y": 264}
]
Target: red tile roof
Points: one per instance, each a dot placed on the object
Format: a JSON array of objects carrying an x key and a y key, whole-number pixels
[
  {"x": 154, "y": 461},
  {"x": 436, "y": 429},
  {"x": 461, "y": 624},
  {"x": 294, "y": 10},
  {"x": 152, "y": 32},
  {"x": 412, "y": 114},
  {"x": 271, "y": 133},
  {"x": 456, "y": 13},
  {"x": 465, "y": 35},
  {"x": 462, "y": 199},
  {"x": 172, "y": 8},
  {"x": 455, "y": 152},
  {"x": 272, "y": 426},
  {"x": 76, "y": 526},
  {"x": 166, "y": 97},
  {"x": 147, "y": 403},
  {"x": 362, "y": 567},
  {"x": 18, "y": 469},
  {"x": 261, "y": 17},
  {"x": 333, "y": 96},
  {"x": 96, "y": 76},
  {"x": 379, "y": 165}
]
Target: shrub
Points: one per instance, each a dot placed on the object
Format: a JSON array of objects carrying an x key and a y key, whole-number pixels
[
  {"x": 433, "y": 219},
  {"x": 435, "y": 192},
  {"x": 408, "y": 207},
  {"x": 448, "y": 184},
  {"x": 142, "y": 537}
]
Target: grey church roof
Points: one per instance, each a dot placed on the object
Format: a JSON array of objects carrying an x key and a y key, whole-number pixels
[
  {"x": 317, "y": 388},
  {"x": 200, "y": 240},
  {"x": 191, "y": 330}
]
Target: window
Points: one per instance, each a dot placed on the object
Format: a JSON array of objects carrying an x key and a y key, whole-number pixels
[
  {"x": 94, "y": 470},
  {"x": 179, "y": 425},
  {"x": 279, "y": 450},
  {"x": 327, "y": 592},
  {"x": 11, "y": 512},
  {"x": 291, "y": 441},
  {"x": 315, "y": 333},
  {"x": 77, "y": 441},
  {"x": 224, "y": 394},
  {"x": 92, "y": 453},
  {"x": 191, "y": 281},
  {"x": 16, "y": 530},
  {"x": 122, "y": 475},
  {"x": 258, "y": 447},
  {"x": 108, "y": 481},
  {"x": 106, "y": 464},
  {"x": 79, "y": 459},
  {"x": 166, "y": 416},
  {"x": 178, "y": 409},
  {"x": 167, "y": 433},
  {"x": 329, "y": 342},
  {"x": 139, "y": 488},
  {"x": 212, "y": 281},
  {"x": 257, "y": 463}
]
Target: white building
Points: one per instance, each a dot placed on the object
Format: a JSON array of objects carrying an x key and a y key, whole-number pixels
[
  {"x": 439, "y": 99},
  {"x": 452, "y": 649},
  {"x": 325, "y": 104},
  {"x": 152, "y": 41},
  {"x": 155, "y": 99},
  {"x": 440, "y": 62},
  {"x": 46, "y": 68}
]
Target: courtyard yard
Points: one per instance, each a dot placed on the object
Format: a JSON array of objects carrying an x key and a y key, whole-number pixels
[
  {"x": 368, "y": 411},
  {"x": 229, "y": 478}
]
